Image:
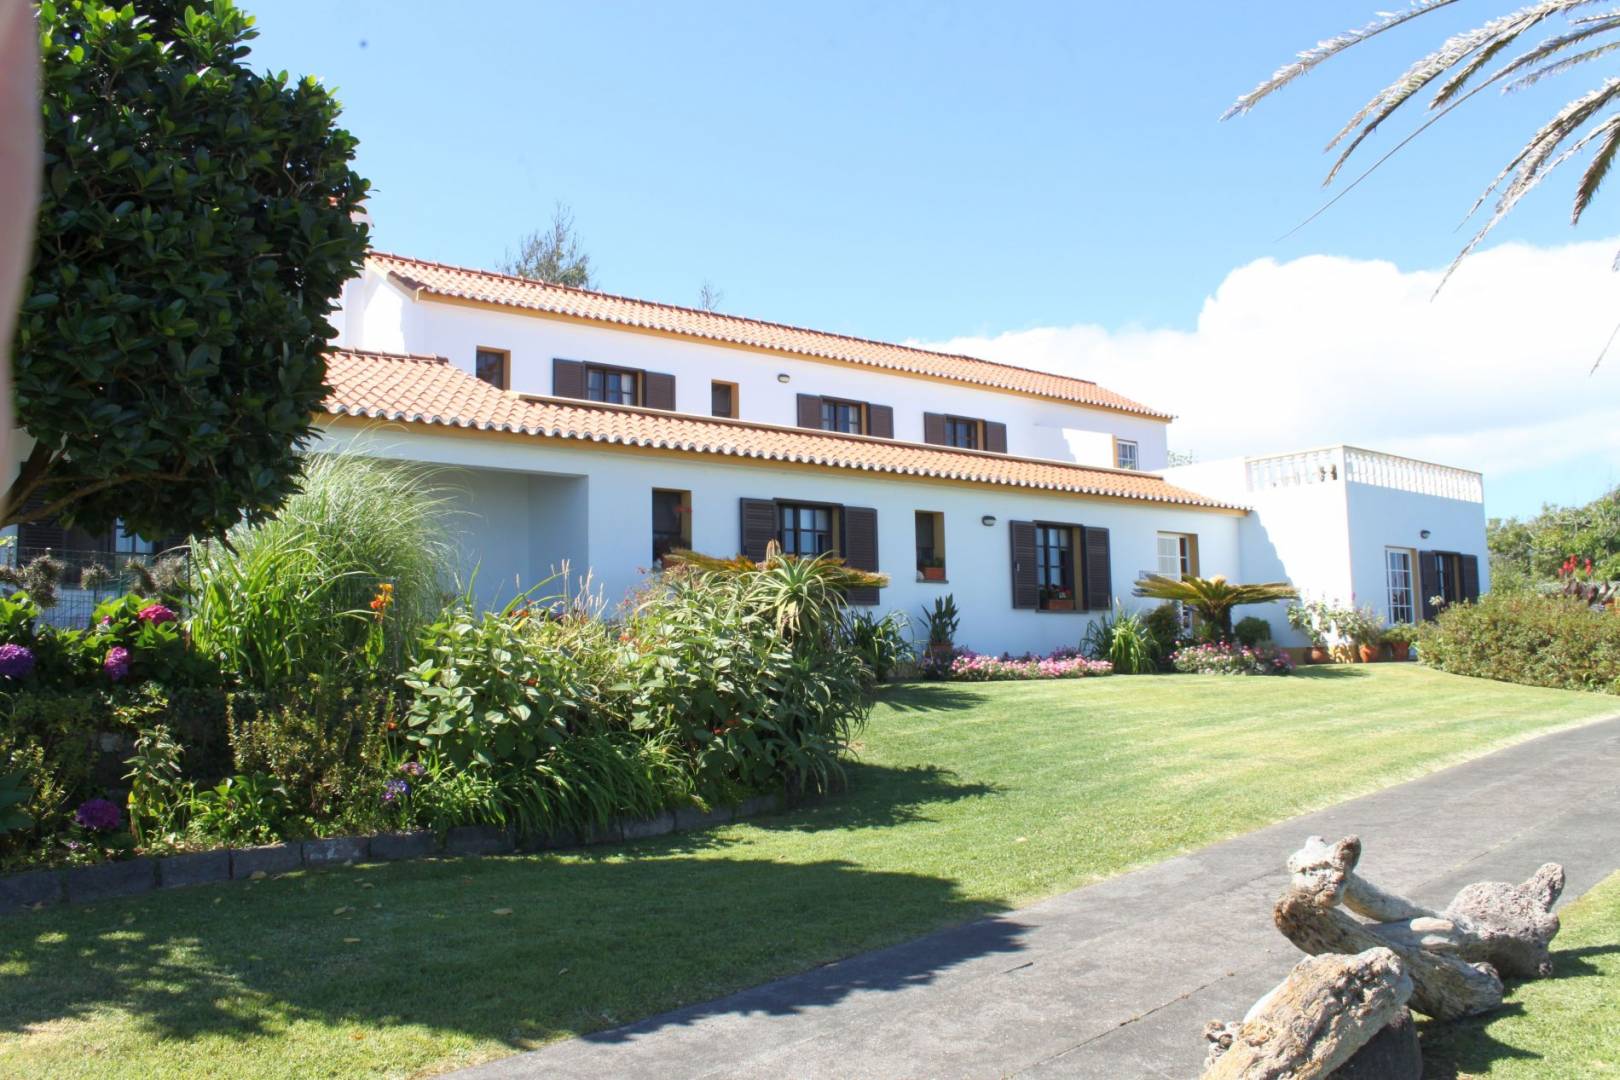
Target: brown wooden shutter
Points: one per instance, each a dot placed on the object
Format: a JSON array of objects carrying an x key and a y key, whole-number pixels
[
  {"x": 1470, "y": 576},
  {"x": 1025, "y": 594},
  {"x": 1097, "y": 569},
  {"x": 934, "y": 428},
  {"x": 861, "y": 548},
  {"x": 658, "y": 390},
  {"x": 880, "y": 421},
  {"x": 995, "y": 437},
  {"x": 758, "y": 527},
  {"x": 567, "y": 378},
  {"x": 1428, "y": 581},
  {"x": 809, "y": 411}
]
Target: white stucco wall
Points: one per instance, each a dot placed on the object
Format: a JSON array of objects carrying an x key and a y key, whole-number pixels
[
  {"x": 389, "y": 321},
  {"x": 618, "y": 522},
  {"x": 1383, "y": 517}
]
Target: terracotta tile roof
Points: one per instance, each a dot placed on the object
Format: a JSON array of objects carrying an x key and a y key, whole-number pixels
[
  {"x": 431, "y": 390},
  {"x": 436, "y": 279}
]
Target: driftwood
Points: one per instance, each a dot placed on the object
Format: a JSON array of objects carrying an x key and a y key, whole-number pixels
[
  {"x": 1308, "y": 914},
  {"x": 1315, "y": 1021},
  {"x": 1509, "y": 927}
]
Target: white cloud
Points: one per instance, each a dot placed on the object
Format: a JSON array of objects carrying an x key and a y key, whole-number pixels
[{"x": 1490, "y": 375}]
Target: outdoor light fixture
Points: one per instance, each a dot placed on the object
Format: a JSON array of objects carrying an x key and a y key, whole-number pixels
[
  {"x": 988, "y": 519},
  {"x": 784, "y": 377},
  {"x": 1424, "y": 534}
]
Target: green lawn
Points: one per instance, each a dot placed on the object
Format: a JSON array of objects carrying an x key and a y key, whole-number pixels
[
  {"x": 968, "y": 799},
  {"x": 1563, "y": 1028}
]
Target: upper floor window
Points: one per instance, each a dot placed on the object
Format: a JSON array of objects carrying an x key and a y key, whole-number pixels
[
  {"x": 614, "y": 386},
  {"x": 961, "y": 433},
  {"x": 723, "y": 399},
  {"x": 844, "y": 416},
  {"x": 805, "y": 530},
  {"x": 494, "y": 367},
  {"x": 1125, "y": 456}
]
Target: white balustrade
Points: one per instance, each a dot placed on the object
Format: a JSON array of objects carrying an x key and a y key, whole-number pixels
[{"x": 1348, "y": 463}]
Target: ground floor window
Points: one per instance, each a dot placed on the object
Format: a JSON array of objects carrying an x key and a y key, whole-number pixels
[
  {"x": 1054, "y": 566},
  {"x": 1398, "y": 573},
  {"x": 930, "y": 545},
  {"x": 805, "y": 530},
  {"x": 671, "y": 522},
  {"x": 1178, "y": 558}
]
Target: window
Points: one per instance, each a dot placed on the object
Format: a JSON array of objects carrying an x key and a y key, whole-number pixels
[
  {"x": 126, "y": 543},
  {"x": 494, "y": 366},
  {"x": 671, "y": 522},
  {"x": 613, "y": 386},
  {"x": 1054, "y": 567},
  {"x": 1178, "y": 558},
  {"x": 1125, "y": 454},
  {"x": 930, "y": 545},
  {"x": 805, "y": 530},
  {"x": 1398, "y": 571},
  {"x": 723, "y": 399},
  {"x": 844, "y": 416},
  {"x": 961, "y": 433}
]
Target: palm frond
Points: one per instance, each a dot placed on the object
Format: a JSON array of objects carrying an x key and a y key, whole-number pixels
[
  {"x": 1310, "y": 58},
  {"x": 1558, "y": 67},
  {"x": 1598, "y": 168}
]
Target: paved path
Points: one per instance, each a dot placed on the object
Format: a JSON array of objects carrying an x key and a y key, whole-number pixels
[{"x": 1117, "y": 979}]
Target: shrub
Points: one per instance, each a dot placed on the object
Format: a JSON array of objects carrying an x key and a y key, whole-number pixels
[
  {"x": 1526, "y": 638},
  {"x": 1251, "y": 630},
  {"x": 882, "y": 644},
  {"x": 972, "y": 667},
  {"x": 1133, "y": 648},
  {"x": 1224, "y": 658},
  {"x": 1164, "y": 623},
  {"x": 303, "y": 593}
]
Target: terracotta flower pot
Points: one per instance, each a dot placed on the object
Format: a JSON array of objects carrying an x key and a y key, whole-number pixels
[
  {"x": 1317, "y": 654},
  {"x": 1400, "y": 650},
  {"x": 933, "y": 573},
  {"x": 1368, "y": 653}
]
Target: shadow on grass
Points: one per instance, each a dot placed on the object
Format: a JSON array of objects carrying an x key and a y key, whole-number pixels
[
  {"x": 927, "y": 697},
  {"x": 1467, "y": 1047},
  {"x": 1331, "y": 671}
]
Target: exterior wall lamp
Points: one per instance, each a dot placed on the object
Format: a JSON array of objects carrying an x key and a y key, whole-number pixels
[
  {"x": 784, "y": 377},
  {"x": 1424, "y": 534},
  {"x": 988, "y": 520}
]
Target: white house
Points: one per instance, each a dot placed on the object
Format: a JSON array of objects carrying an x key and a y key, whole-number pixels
[{"x": 598, "y": 431}]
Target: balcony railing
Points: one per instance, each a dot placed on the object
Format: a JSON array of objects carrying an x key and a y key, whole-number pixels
[{"x": 1336, "y": 464}]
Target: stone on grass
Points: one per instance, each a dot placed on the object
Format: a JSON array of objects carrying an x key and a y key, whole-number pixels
[
  {"x": 478, "y": 840},
  {"x": 406, "y": 845},
  {"x": 642, "y": 829},
  {"x": 33, "y": 888},
  {"x": 194, "y": 868},
  {"x": 110, "y": 879},
  {"x": 690, "y": 817},
  {"x": 269, "y": 859},
  {"x": 335, "y": 850}
]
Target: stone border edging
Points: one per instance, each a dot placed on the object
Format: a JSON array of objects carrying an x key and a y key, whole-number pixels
[{"x": 33, "y": 890}]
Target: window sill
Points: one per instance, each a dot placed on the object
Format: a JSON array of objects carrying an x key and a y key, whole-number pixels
[{"x": 932, "y": 581}]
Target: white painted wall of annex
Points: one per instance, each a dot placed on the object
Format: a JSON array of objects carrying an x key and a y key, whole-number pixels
[
  {"x": 387, "y": 320},
  {"x": 1382, "y": 517},
  {"x": 493, "y": 471}
]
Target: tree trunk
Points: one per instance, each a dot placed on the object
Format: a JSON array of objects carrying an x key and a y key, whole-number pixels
[{"x": 1327, "y": 1009}]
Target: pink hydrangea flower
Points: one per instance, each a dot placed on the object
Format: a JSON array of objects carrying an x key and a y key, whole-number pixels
[{"x": 156, "y": 614}]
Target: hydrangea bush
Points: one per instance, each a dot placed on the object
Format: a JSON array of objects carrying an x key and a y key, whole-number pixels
[{"x": 1230, "y": 658}]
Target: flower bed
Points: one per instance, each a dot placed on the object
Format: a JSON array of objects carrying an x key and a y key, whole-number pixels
[
  {"x": 1224, "y": 658},
  {"x": 973, "y": 667}
]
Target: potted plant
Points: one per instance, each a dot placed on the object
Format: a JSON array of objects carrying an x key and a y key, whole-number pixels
[
  {"x": 932, "y": 569},
  {"x": 1399, "y": 638},
  {"x": 1057, "y": 599},
  {"x": 1365, "y": 629},
  {"x": 1310, "y": 619},
  {"x": 942, "y": 623}
]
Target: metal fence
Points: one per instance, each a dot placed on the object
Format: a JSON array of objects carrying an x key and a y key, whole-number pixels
[{"x": 77, "y": 598}]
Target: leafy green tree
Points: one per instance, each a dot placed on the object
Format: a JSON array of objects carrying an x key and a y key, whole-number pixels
[
  {"x": 1490, "y": 56},
  {"x": 1213, "y": 598},
  {"x": 194, "y": 233},
  {"x": 553, "y": 254},
  {"x": 1529, "y": 553}
]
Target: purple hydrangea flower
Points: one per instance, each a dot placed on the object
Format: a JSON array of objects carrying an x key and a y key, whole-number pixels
[
  {"x": 395, "y": 790},
  {"x": 117, "y": 663},
  {"x": 16, "y": 661},
  {"x": 413, "y": 768},
  {"x": 98, "y": 815},
  {"x": 156, "y": 613}
]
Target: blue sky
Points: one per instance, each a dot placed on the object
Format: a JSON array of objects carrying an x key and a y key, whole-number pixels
[{"x": 927, "y": 172}]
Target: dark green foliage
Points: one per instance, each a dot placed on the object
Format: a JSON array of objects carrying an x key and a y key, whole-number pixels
[
  {"x": 243, "y": 809},
  {"x": 1529, "y": 553},
  {"x": 194, "y": 233},
  {"x": 1132, "y": 648},
  {"x": 1251, "y": 630},
  {"x": 15, "y": 793},
  {"x": 1164, "y": 623},
  {"x": 1526, "y": 638},
  {"x": 882, "y": 644}
]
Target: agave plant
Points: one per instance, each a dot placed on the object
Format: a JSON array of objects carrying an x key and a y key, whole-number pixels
[
  {"x": 1213, "y": 598},
  {"x": 1475, "y": 60}
]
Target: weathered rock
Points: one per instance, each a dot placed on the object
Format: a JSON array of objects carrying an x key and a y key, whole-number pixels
[
  {"x": 1314, "y": 1022},
  {"x": 1392, "y": 1054}
]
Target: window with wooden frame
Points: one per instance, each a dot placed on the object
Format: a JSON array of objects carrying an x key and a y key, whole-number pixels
[
  {"x": 1449, "y": 577},
  {"x": 1054, "y": 566},
  {"x": 1400, "y": 582},
  {"x": 930, "y": 545},
  {"x": 1178, "y": 558},
  {"x": 964, "y": 432},
  {"x": 723, "y": 399},
  {"x": 806, "y": 529},
  {"x": 1126, "y": 455},
  {"x": 493, "y": 366},
  {"x": 1060, "y": 567},
  {"x": 612, "y": 386},
  {"x": 847, "y": 417},
  {"x": 671, "y": 522}
]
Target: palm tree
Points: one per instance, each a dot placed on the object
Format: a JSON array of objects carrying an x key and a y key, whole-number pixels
[
  {"x": 1471, "y": 62},
  {"x": 1212, "y": 598}
]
